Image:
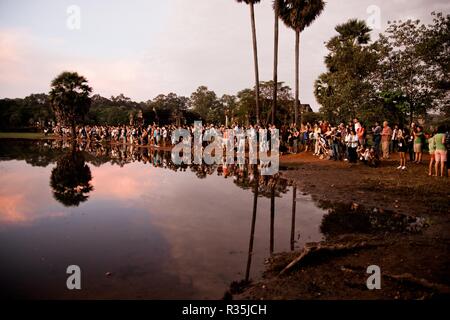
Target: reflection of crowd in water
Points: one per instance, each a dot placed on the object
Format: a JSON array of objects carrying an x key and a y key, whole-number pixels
[{"x": 243, "y": 175}]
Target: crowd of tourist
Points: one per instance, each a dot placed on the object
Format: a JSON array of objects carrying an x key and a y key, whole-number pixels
[
  {"x": 351, "y": 142},
  {"x": 163, "y": 136}
]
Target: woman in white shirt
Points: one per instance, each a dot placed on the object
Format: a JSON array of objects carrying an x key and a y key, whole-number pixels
[
  {"x": 317, "y": 132},
  {"x": 352, "y": 143}
]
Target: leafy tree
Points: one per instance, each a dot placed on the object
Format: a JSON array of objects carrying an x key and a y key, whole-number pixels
[
  {"x": 70, "y": 99},
  {"x": 395, "y": 107},
  {"x": 298, "y": 15},
  {"x": 345, "y": 91},
  {"x": 37, "y": 108},
  {"x": 106, "y": 111},
  {"x": 205, "y": 103},
  {"x": 284, "y": 98},
  {"x": 402, "y": 68},
  {"x": 229, "y": 104},
  {"x": 255, "y": 52},
  {"x": 26, "y": 113},
  {"x": 168, "y": 108},
  {"x": 434, "y": 50},
  {"x": 245, "y": 111}
]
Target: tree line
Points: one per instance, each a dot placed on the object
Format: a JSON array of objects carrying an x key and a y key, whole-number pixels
[{"x": 37, "y": 110}]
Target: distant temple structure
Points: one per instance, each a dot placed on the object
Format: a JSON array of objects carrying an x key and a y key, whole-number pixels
[
  {"x": 305, "y": 108},
  {"x": 131, "y": 119},
  {"x": 138, "y": 121}
]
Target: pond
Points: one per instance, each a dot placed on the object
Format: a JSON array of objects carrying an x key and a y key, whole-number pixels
[{"x": 137, "y": 225}]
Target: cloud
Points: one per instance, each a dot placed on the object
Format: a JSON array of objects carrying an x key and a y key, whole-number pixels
[{"x": 29, "y": 63}]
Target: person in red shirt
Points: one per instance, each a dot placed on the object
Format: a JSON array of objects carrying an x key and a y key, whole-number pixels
[{"x": 361, "y": 135}]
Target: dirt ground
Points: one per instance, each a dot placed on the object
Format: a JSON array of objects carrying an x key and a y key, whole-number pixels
[{"x": 397, "y": 220}]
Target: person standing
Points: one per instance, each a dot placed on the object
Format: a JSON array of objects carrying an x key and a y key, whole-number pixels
[
  {"x": 295, "y": 140},
  {"x": 386, "y": 135},
  {"x": 305, "y": 136},
  {"x": 352, "y": 143},
  {"x": 418, "y": 139},
  {"x": 356, "y": 125},
  {"x": 441, "y": 151},
  {"x": 336, "y": 141},
  {"x": 317, "y": 132},
  {"x": 402, "y": 148},
  {"x": 393, "y": 145},
  {"x": 447, "y": 145},
  {"x": 376, "y": 137},
  {"x": 410, "y": 140},
  {"x": 432, "y": 149},
  {"x": 164, "y": 136},
  {"x": 361, "y": 132}
]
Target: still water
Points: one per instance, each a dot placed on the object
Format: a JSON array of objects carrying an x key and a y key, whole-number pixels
[{"x": 137, "y": 225}]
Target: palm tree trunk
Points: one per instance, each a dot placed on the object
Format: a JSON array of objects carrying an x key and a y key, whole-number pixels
[
  {"x": 272, "y": 219},
  {"x": 275, "y": 62},
  {"x": 297, "y": 73},
  {"x": 255, "y": 59}
]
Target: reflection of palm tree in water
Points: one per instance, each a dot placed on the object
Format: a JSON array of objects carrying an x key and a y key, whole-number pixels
[
  {"x": 294, "y": 203},
  {"x": 272, "y": 217},
  {"x": 70, "y": 179},
  {"x": 272, "y": 183},
  {"x": 252, "y": 231}
]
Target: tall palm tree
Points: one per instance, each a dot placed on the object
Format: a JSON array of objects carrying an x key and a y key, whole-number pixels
[
  {"x": 356, "y": 31},
  {"x": 298, "y": 15},
  {"x": 69, "y": 97},
  {"x": 276, "y": 9},
  {"x": 255, "y": 52}
]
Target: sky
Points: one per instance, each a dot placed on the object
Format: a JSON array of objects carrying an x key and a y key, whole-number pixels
[{"x": 142, "y": 48}]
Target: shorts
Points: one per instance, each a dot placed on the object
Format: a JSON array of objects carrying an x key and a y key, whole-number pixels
[
  {"x": 417, "y": 147},
  {"x": 440, "y": 155}
]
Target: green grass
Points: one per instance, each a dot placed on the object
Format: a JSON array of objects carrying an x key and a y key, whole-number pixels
[{"x": 24, "y": 135}]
